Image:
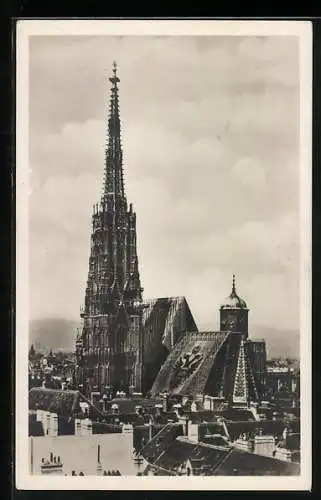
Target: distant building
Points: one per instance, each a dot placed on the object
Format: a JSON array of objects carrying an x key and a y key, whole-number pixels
[
  {"x": 257, "y": 355},
  {"x": 283, "y": 386}
]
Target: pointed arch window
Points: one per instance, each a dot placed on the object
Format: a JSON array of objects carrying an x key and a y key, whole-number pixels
[{"x": 120, "y": 337}]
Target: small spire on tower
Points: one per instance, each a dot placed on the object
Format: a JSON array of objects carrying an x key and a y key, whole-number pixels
[
  {"x": 233, "y": 284},
  {"x": 114, "y": 79}
]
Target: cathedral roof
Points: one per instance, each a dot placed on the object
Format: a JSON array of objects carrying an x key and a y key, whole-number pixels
[
  {"x": 233, "y": 301},
  {"x": 196, "y": 366},
  {"x": 167, "y": 312},
  {"x": 188, "y": 366},
  {"x": 165, "y": 321}
]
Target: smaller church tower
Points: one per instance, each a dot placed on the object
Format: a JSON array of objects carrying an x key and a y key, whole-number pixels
[
  {"x": 239, "y": 384},
  {"x": 234, "y": 313}
]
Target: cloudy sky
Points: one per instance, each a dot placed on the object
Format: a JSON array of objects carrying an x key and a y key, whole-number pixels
[{"x": 211, "y": 142}]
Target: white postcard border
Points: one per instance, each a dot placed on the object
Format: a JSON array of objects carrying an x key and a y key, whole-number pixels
[{"x": 27, "y": 28}]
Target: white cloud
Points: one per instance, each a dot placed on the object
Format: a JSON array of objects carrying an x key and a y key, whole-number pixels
[
  {"x": 250, "y": 172},
  {"x": 210, "y": 140}
]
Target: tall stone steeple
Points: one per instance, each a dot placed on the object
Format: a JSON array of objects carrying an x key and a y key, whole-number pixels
[{"x": 111, "y": 353}]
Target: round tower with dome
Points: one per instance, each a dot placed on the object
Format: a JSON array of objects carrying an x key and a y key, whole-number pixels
[{"x": 234, "y": 313}]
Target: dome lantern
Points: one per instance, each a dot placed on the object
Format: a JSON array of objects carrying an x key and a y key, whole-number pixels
[{"x": 233, "y": 301}]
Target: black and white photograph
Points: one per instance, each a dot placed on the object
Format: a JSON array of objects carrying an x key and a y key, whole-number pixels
[{"x": 163, "y": 331}]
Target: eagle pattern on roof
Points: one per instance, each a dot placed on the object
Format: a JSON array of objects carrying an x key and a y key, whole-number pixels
[{"x": 188, "y": 366}]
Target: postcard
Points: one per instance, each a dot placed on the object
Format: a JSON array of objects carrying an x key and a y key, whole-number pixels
[{"x": 163, "y": 307}]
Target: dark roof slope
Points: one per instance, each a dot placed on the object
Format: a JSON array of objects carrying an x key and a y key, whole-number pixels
[
  {"x": 63, "y": 402},
  {"x": 141, "y": 434},
  {"x": 210, "y": 429},
  {"x": 172, "y": 317},
  {"x": 244, "y": 463},
  {"x": 203, "y": 458},
  {"x": 35, "y": 428},
  {"x": 200, "y": 416},
  {"x": 125, "y": 405},
  {"x": 161, "y": 442},
  {"x": 237, "y": 414},
  {"x": 268, "y": 427},
  {"x": 188, "y": 366},
  {"x": 165, "y": 320},
  {"x": 209, "y": 460}
]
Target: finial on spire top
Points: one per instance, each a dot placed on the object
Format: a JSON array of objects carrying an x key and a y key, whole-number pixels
[
  {"x": 233, "y": 284},
  {"x": 114, "y": 79}
]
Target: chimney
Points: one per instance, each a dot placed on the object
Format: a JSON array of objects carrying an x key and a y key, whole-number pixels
[
  {"x": 105, "y": 400},
  {"x": 165, "y": 401},
  {"x": 264, "y": 445},
  {"x": 99, "y": 466},
  {"x": 150, "y": 429},
  {"x": 115, "y": 409},
  {"x": 177, "y": 408},
  {"x": 158, "y": 407},
  {"x": 138, "y": 409},
  {"x": 186, "y": 426}
]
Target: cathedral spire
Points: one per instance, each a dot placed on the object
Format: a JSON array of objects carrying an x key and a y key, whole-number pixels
[
  {"x": 111, "y": 350},
  {"x": 113, "y": 181}
]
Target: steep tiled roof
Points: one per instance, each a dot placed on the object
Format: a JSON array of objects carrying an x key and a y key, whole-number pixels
[
  {"x": 173, "y": 318},
  {"x": 270, "y": 427},
  {"x": 292, "y": 442},
  {"x": 126, "y": 418},
  {"x": 64, "y": 403},
  {"x": 125, "y": 405},
  {"x": 158, "y": 471},
  {"x": 141, "y": 434},
  {"x": 165, "y": 417},
  {"x": 201, "y": 416},
  {"x": 188, "y": 366},
  {"x": 211, "y": 428},
  {"x": 238, "y": 414},
  {"x": 165, "y": 320},
  {"x": 201, "y": 457},
  {"x": 216, "y": 460},
  {"x": 171, "y": 415},
  {"x": 244, "y": 463},
  {"x": 161, "y": 442}
]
